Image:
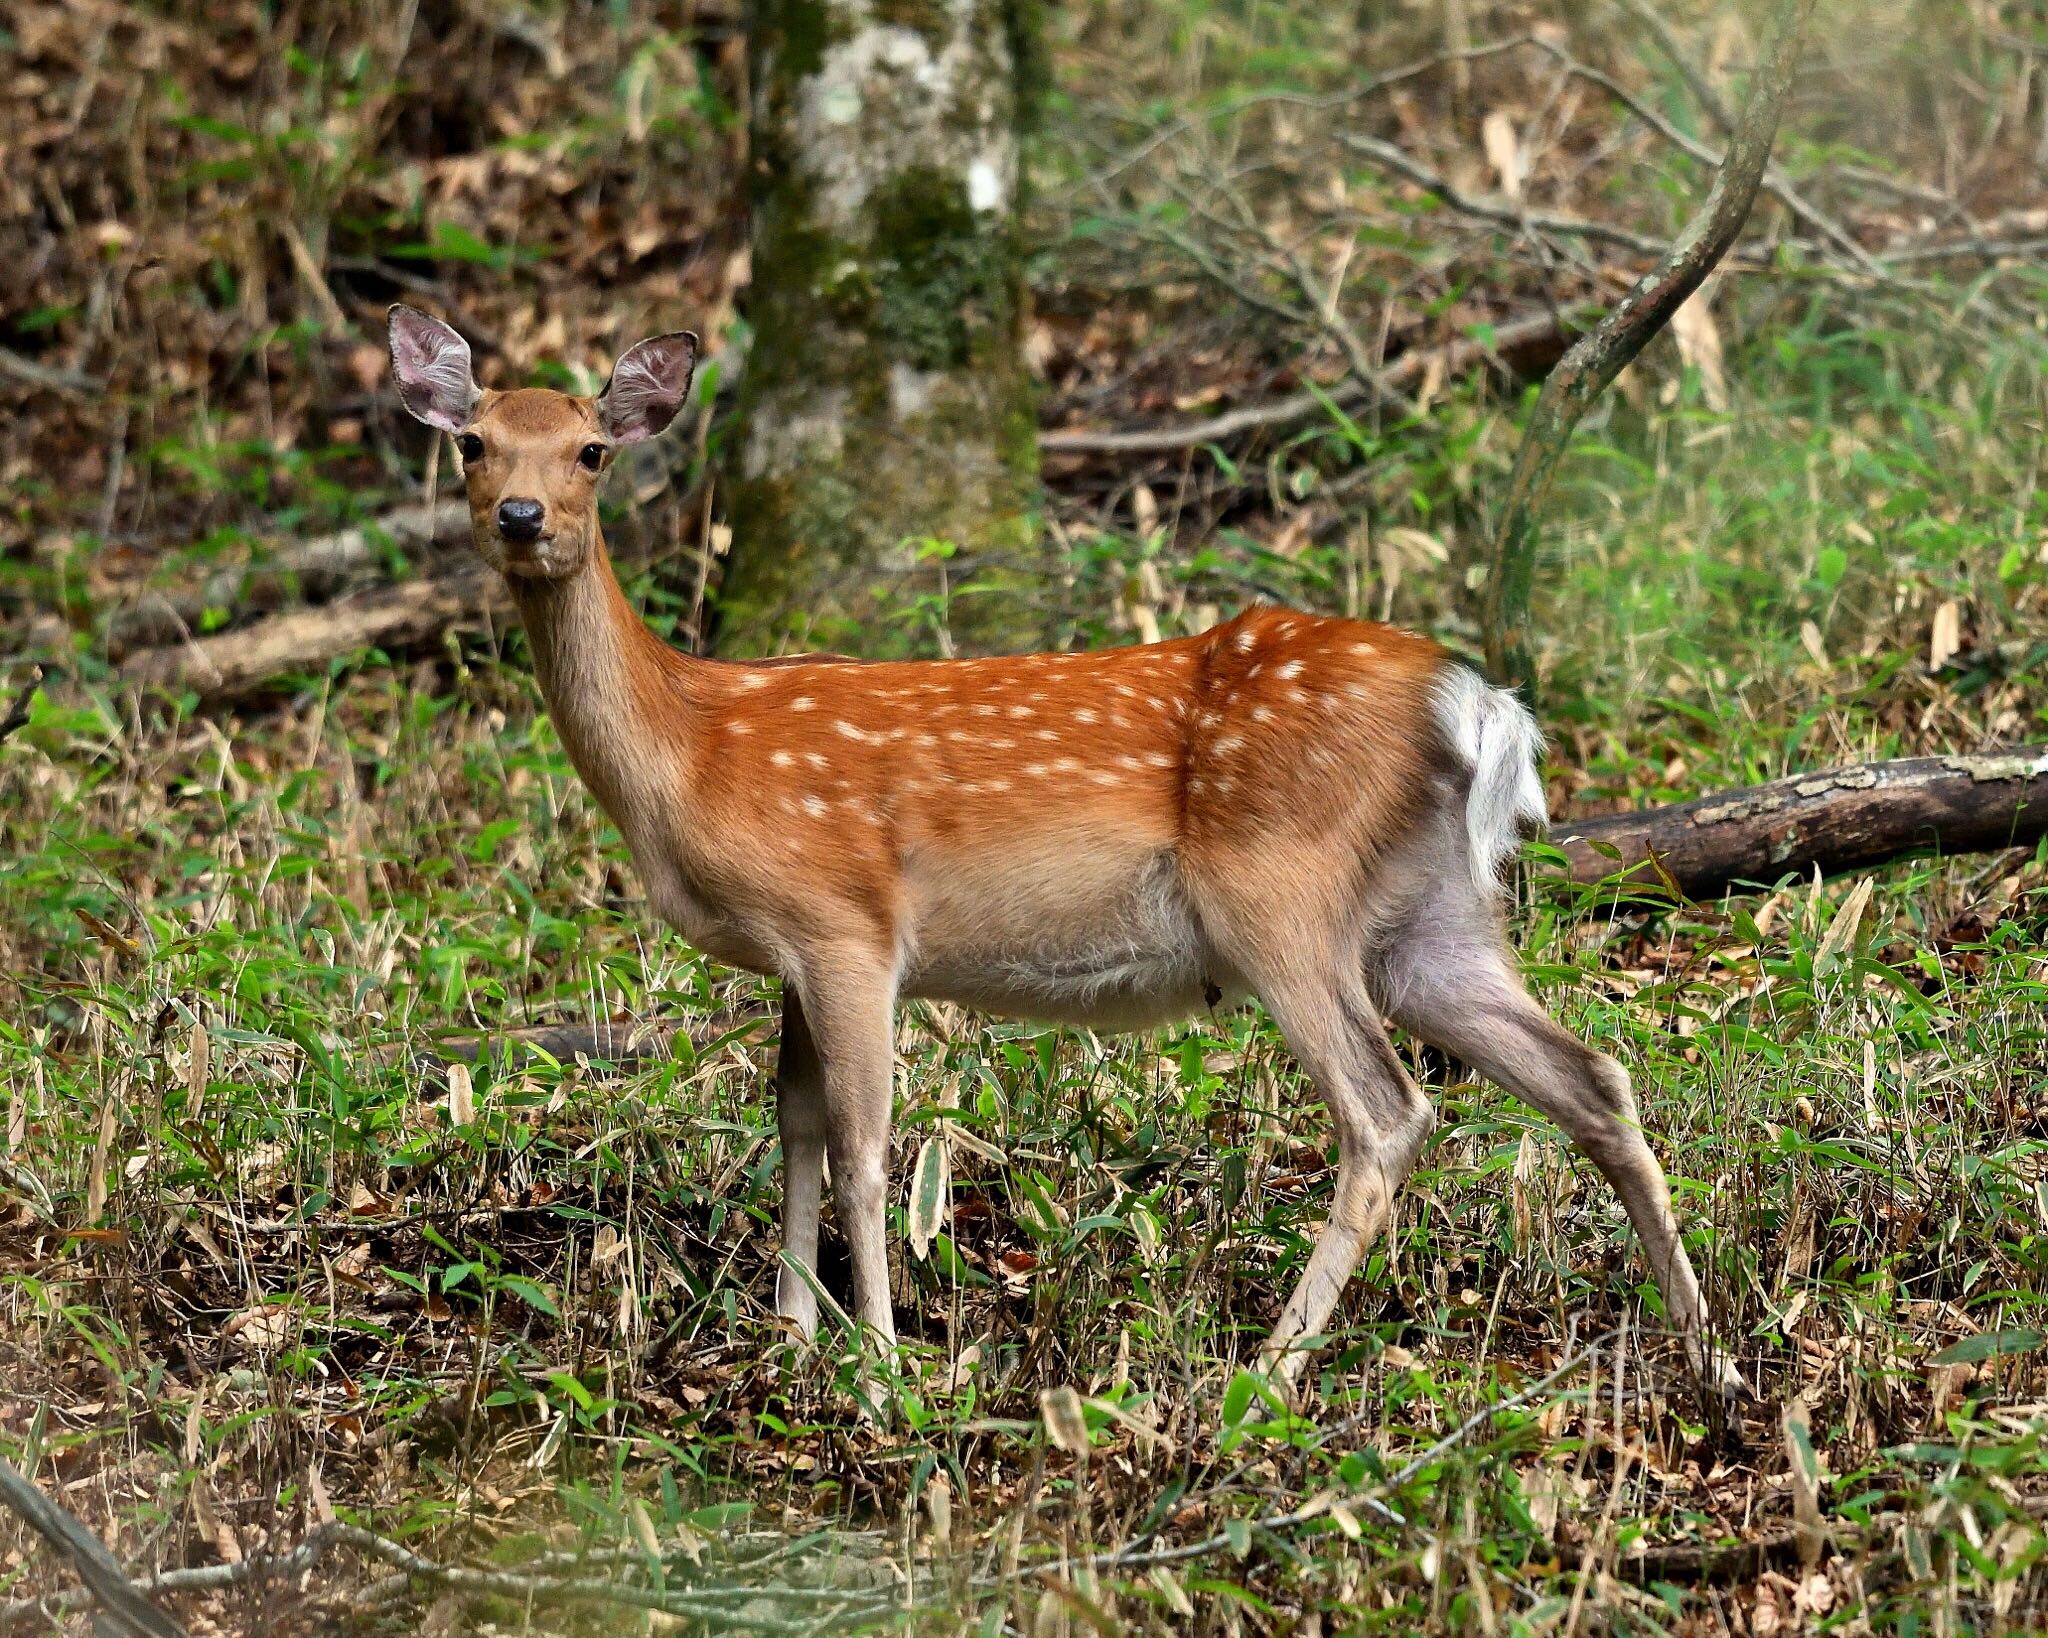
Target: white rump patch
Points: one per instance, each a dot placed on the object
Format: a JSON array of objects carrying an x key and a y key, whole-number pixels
[{"x": 1494, "y": 735}]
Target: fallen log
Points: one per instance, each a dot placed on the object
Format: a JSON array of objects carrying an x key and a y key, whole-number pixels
[
  {"x": 312, "y": 568},
  {"x": 1842, "y": 819},
  {"x": 241, "y": 662}
]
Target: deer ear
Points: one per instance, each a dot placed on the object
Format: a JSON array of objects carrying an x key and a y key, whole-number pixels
[
  {"x": 648, "y": 386},
  {"x": 430, "y": 363}
]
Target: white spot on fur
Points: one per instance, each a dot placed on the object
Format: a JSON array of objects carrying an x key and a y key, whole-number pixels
[
  {"x": 1289, "y": 671},
  {"x": 1020, "y": 712},
  {"x": 1227, "y": 744},
  {"x": 782, "y": 759},
  {"x": 815, "y": 806},
  {"x": 753, "y": 679},
  {"x": 803, "y": 702},
  {"x": 850, "y": 731},
  {"x": 816, "y": 759},
  {"x": 1084, "y": 716}
]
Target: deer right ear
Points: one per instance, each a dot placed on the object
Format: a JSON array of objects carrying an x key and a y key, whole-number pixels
[{"x": 430, "y": 363}]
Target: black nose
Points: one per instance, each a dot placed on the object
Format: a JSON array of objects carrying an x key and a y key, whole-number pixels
[{"x": 520, "y": 519}]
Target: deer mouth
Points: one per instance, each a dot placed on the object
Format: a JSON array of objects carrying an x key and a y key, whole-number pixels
[{"x": 529, "y": 557}]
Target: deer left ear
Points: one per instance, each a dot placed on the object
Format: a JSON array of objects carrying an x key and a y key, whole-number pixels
[{"x": 647, "y": 388}]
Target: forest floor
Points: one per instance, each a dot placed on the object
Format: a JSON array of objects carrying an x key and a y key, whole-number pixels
[{"x": 496, "y": 1340}]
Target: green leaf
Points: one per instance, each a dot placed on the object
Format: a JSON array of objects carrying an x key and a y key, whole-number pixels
[
  {"x": 1990, "y": 1345},
  {"x": 928, "y": 1194},
  {"x": 532, "y": 1294}
]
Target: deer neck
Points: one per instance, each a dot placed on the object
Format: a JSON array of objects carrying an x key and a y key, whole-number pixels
[{"x": 619, "y": 696}]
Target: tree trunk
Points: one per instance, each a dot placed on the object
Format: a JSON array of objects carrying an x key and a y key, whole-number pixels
[
  {"x": 1843, "y": 819},
  {"x": 885, "y": 405}
]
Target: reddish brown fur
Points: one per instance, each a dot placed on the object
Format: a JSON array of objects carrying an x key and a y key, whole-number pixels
[{"x": 1306, "y": 809}]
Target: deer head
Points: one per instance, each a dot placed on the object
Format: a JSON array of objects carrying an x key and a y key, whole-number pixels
[{"x": 532, "y": 457}]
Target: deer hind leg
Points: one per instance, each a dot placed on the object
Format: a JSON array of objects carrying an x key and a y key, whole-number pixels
[
  {"x": 800, "y": 1116},
  {"x": 1382, "y": 1122},
  {"x": 1451, "y": 980}
]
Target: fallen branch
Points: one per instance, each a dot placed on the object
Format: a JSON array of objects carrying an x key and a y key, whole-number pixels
[
  {"x": 1840, "y": 819},
  {"x": 128, "y": 1609},
  {"x": 1596, "y": 359},
  {"x": 312, "y": 568},
  {"x": 739, "y": 1606},
  {"x": 1451, "y": 357},
  {"x": 241, "y": 662},
  {"x": 624, "y": 1046}
]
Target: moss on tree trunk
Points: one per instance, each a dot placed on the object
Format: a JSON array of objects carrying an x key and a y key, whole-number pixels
[{"x": 885, "y": 405}]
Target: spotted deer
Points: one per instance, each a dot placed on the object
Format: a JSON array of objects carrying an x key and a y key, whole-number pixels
[{"x": 1311, "y": 811}]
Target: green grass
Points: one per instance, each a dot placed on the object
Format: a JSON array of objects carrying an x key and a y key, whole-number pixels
[{"x": 518, "y": 1327}]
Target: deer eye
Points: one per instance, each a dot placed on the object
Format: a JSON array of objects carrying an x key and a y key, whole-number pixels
[
  {"x": 471, "y": 445},
  {"x": 592, "y": 456}
]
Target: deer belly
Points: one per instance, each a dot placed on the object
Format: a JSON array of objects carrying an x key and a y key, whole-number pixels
[{"x": 1114, "y": 950}]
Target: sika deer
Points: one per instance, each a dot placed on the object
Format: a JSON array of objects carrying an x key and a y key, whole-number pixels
[{"x": 1307, "y": 810}]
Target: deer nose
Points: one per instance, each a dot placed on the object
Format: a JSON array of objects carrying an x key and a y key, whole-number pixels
[{"x": 520, "y": 519}]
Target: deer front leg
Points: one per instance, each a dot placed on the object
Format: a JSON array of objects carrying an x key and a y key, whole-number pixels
[
  {"x": 800, "y": 1116},
  {"x": 848, "y": 1003}
]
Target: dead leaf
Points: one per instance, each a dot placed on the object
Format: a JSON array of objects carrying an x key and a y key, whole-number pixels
[
  {"x": 1809, "y": 639},
  {"x": 316, "y": 1493},
  {"x": 1947, "y": 637},
  {"x": 1065, "y": 1423},
  {"x": 261, "y": 1329},
  {"x": 461, "y": 1096},
  {"x": 198, "y": 1072},
  {"x": 1144, "y": 509},
  {"x": 1841, "y": 934},
  {"x": 1504, "y": 153},
  {"x": 1699, "y": 345},
  {"x": 102, "y": 1150},
  {"x": 1797, "y": 1429}
]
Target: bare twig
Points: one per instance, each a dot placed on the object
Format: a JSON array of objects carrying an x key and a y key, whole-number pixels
[
  {"x": 1410, "y": 366},
  {"x": 1521, "y": 217},
  {"x": 1594, "y": 361},
  {"x": 19, "y": 709},
  {"x": 740, "y": 1605},
  {"x": 1703, "y": 89},
  {"x": 312, "y": 567},
  {"x": 1277, "y": 1523},
  {"x": 129, "y": 1610},
  {"x": 50, "y": 378}
]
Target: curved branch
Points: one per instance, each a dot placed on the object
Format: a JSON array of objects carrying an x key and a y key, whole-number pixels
[{"x": 1585, "y": 371}]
